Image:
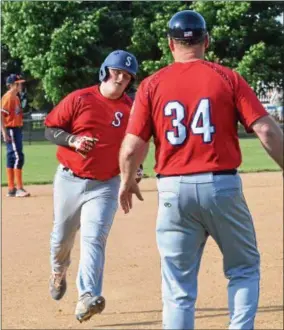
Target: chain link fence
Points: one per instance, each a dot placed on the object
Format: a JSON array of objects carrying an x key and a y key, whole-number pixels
[{"x": 33, "y": 130}]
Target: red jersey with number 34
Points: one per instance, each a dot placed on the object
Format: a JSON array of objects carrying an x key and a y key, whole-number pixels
[
  {"x": 86, "y": 112},
  {"x": 192, "y": 109}
]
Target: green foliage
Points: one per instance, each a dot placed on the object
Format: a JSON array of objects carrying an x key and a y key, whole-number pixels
[
  {"x": 63, "y": 43},
  {"x": 246, "y": 36},
  {"x": 8, "y": 65},
  {"x": 150, "y": 31}
]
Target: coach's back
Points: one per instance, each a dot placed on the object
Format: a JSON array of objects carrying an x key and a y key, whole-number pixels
[{"x": 195, "y": 108}]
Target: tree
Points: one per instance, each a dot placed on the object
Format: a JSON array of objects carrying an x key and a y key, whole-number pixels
[
  {"x": 244, "y": 36},
  {"x": 149, "y": 40},
  {"x": 62, "y": 44},
  {"x": 8, "y": 65}
]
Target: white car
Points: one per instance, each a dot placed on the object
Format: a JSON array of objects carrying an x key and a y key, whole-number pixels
[
  {"x": 275, "y": 111},
  {"x": 270, "y": 107},
  {"x": 38, "y": 115}
]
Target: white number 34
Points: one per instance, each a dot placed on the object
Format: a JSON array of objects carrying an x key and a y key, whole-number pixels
[{"x": 200, "y": 124}]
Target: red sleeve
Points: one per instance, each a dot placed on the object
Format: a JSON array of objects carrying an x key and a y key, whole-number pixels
[
  {"x": 62, "y": 114},
  {"x": 249, "y": 107},
  {"x": 140, "y": 121}
]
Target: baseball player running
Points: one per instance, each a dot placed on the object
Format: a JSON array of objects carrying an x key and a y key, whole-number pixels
[
  {"x": 88, "y": 126},
  {"x": 194, "y": 123}
]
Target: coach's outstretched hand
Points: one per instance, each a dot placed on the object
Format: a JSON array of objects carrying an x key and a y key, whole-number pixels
[{"x": 125, "y": 196}]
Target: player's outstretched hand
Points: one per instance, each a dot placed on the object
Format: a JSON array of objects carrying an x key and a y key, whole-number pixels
[
  {"x": 125, "y": 196},
  {"x": 83, "y": 144}
]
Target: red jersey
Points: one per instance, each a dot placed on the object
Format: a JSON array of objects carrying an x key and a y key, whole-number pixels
[
  {"x": 12, "y": 110},
  {"x": 192, "y": 110},
  {"x": 86, "y": 112}
]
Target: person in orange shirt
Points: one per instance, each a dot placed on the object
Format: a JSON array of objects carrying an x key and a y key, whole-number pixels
[{"x": 11, "y": 127}]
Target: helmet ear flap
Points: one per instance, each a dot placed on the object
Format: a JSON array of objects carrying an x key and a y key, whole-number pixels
[{"x": 103, "y": 74}]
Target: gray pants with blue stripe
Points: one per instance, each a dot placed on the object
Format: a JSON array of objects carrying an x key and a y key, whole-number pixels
[
  {"x": 190, "y": 209},
  {"x": 90, "y": 205}
]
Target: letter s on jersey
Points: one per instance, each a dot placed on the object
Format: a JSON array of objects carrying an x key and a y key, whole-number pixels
[{"x": 117, "y": 121}]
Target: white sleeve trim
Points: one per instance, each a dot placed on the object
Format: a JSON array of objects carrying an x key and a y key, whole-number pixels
[{"x": 5, "y": 111}]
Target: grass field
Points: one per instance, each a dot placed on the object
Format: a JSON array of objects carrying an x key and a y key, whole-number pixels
[{"x": 40, "y": 161}]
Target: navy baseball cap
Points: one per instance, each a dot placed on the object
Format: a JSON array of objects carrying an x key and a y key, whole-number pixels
[{"x": 14, "y": 78}]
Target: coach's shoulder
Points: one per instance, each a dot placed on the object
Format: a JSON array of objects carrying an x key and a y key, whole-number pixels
[
  {"x": 153, "y": 80},
  {"x": 218, "y": 67},
  {"x": 223, "y": 71}
]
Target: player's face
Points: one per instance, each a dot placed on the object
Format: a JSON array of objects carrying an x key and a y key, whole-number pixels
[
  {"x": 19, "y": 87},
  {"x": 118, "y": 81},
  {"x": 16, "y": 87}
]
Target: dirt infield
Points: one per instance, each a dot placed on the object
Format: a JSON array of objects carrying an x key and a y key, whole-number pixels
[{"x": 132, "y": 275}]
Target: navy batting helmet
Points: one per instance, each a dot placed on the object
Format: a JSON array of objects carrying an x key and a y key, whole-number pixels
[
  {"x": 187, "y": 25},
  {"x": 119, "y": 59}
]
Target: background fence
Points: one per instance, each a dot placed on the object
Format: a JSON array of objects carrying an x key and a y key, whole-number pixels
[{"x": 33, "y": 130}]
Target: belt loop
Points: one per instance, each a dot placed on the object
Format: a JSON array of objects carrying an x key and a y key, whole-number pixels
[{"x": 66, "y": 169}]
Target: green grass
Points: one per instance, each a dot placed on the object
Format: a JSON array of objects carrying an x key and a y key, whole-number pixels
[
  {"x": 255, "y": 158},
  {"x": 41, "y": 162}
]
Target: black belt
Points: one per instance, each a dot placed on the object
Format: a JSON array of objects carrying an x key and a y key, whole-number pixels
[
  {"x": 223, "y": 172},
  {"x": 67, "y": 169}
]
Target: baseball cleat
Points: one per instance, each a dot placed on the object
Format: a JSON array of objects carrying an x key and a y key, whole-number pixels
[
  {"x": 88, "y": 306},
  {"x": 11, "y": 193},
  {"x": 22, "y": 193},
  {"x": 57, "y": 285}
]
